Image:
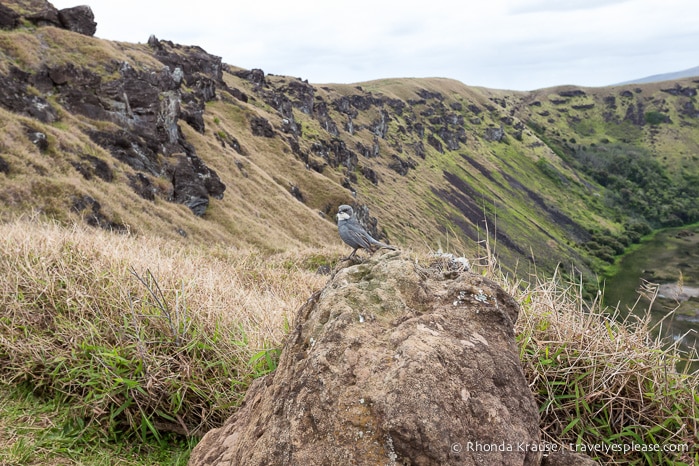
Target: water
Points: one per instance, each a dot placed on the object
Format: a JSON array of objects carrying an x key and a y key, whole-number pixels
[{"x": 671, "y": 260}]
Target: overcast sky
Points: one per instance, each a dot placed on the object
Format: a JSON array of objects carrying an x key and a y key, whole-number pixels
[{"x": 502, "y": 44}]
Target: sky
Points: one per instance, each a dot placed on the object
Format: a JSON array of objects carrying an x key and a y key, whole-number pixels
[{"x": 500, "y": 44}]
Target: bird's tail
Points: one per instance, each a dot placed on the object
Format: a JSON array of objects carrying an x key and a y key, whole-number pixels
[{"x": 379, "y": 245}]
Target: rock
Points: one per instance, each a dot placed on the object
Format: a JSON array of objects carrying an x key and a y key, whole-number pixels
[
  {"x": 369, "y": 174},
  {"x": 38, "y": 138},
  {"x": 91, "y": 165},
  {"x": 193, "y": 182},
  {"x": 567, "y": 458},
  {"x": 493, "y": 133},
  {"x": 401, "y": 166},
  {"x": 78, "y": 19},
  {"x": 336, "y": 153},
  {"x": 127, "y": 147},
  {"x": 572, "y": 93},
  {"x": 261, "y": 127},
  {"x": 9, "y": 19},
  {"x": 47, "y": 15},
  {"x": 91, "y": 211},
  {"x": 15, "y": 97},
  {"x": 255, "y": 76},
  {"x": 142, "y": 186},
  {"x": 4, "y": 166},
  {"x": 434, "y": 142},
  {"x": 380, "y": 126},
  {"x": 391, "y": 363},
  {"x": 681, "y": 91},
  {"x": 296, "y": 192}
]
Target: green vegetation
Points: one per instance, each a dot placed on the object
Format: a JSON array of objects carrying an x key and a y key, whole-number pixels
[
  {"x": 601, "y": 380},
  {"x": 639, "y": 186},
  {"x": 38, "y": 430},
  {"x": 640, "y": 192},
  {"x": 655, "y": 118}
]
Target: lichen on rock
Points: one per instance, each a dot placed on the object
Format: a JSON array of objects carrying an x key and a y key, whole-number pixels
[{"x": 390, "y": 363}]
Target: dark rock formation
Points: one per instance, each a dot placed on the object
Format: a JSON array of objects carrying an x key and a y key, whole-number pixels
[
  {"x": 636, "y": 114},
  {"x": 391, "y": 363},
  {"x": 90, "y": 166},
  {"x": 78, "y": 19},
  {"x": 336, "y": 153},
  {"x": 401, "y": 166},
  {"x": 261, "y": 127},
  {"x": 369, "y": 174},
  {"x": 4, "y": 166},
  {"x": 296, "y": 192},
  {"x": 143, "y": 186},
  {"x": 572, "y": 93},
  {"x": 228, "y": 140},
  {"x": 494, "y": 134},
  {"x": 681, "y": 91},
  {"x": 38, "y": 138},
  {"x": 145, "y": 104},
  {"x": 15, "y": 96},
  {"x": 255, "y": 76},
  {"x": 44, "y": 15},
  {"x": 193, "y": 182},
  {"x": 436, "y": 143},
  {"x": 9, "y": 19},
  {"x": 130, "y": 149},
  {"x": 91, "y": 210},
  {"x": 369, "y": 152}
]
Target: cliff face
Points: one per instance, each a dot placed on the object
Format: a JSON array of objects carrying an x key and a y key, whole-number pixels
[{"x": 122, "y": 134}]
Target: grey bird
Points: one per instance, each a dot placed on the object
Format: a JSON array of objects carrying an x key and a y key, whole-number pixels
[{"x": 354, "y": 234}]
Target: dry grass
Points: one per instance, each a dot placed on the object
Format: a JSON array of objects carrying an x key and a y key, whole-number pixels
[
  {"x": 145, "y": 336},
  {"x": 600, "y": 381},
  {"x": 141, "y": 334}
]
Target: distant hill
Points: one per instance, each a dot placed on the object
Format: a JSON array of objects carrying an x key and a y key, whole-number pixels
[
  {"x": 165, "y": 139},
  {"x": 656, "y": 78}
]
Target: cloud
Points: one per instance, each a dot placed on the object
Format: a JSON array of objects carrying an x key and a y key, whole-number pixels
[
  {"x": 513, "y": 44},
  {"x": 541, "y": 6}
]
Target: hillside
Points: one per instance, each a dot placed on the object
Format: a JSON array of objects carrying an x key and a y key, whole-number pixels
[
  {"x": 688, "y": 73},
  {"x": 164, "y": 217},
  {"x": 166, "y": 139}
]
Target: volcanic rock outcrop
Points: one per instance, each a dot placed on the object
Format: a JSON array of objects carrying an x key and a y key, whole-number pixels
[
  {"x": 146, "y": 105},
  {"x": 391, "y": 363}
]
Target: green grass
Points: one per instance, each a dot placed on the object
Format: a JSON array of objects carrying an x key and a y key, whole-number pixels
[
  {"x": 37, "y": 430},
  {"x": 601, "y": 380}
]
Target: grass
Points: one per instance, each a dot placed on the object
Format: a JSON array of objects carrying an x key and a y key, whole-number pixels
[
  {"x": 124, "y": 349},
  {"x": 35, "y": 430},
  {"x": 603, "y": 382},
  {"x": 142, "y": 339}
]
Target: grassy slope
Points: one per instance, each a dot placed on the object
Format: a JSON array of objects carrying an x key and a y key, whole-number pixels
[{"x": 533, "y": 198}]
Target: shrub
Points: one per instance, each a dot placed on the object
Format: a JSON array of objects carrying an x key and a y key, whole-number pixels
[{"x": 655, "y": 118}]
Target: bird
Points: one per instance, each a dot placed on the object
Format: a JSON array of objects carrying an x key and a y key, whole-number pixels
[{"x": 354, "y": 234}]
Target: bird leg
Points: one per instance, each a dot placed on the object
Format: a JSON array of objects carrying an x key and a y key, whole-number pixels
[{"x": 351, "y": 256}]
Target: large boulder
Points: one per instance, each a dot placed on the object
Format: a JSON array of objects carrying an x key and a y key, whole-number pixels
[
  {"x": 78, "y": 19},
  {"x": 391, "y": 363}
]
